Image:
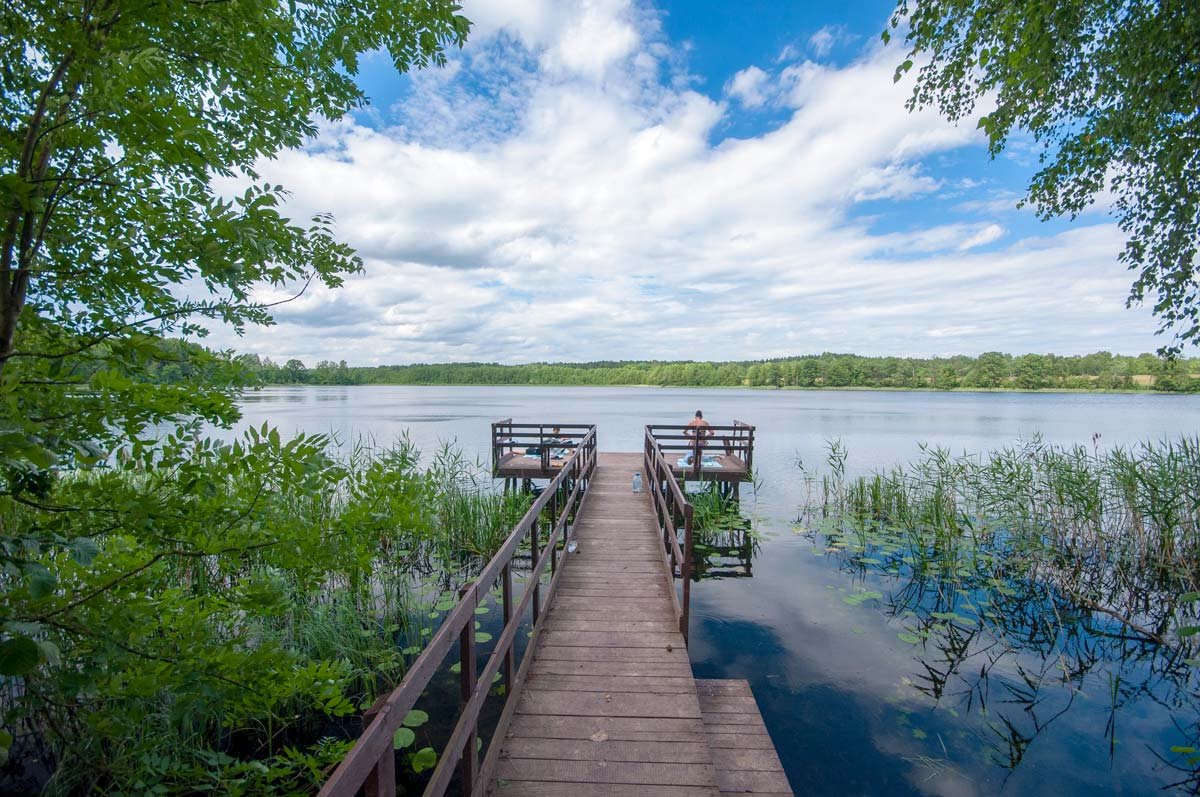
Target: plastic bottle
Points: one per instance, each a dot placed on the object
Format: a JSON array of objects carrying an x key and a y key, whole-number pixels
[{"x": 637, "y": 482}]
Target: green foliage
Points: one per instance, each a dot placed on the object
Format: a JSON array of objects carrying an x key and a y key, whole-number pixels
[
  {"x": 991, "y": 370},
  {"x": 129, "y": 136},
  {"x": 251, "y": 594},
  {"x": 177, "y": 610},
  {"x": 1110, "y": 91}
]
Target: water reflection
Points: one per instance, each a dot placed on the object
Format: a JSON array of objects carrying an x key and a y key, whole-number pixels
[{"x": 1014, "y": 673}]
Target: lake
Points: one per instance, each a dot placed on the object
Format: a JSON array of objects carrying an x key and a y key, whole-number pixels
[{"x": 852, "y": 708}]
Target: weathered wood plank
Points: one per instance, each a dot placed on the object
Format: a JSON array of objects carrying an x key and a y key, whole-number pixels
[
  {"x": 741, "y": 740},
  {"x": 724, "y": 704},
  {"x": 547, "y": 652},
  {"x": 743, "y": 782},
  {"x": 627, "y": 772},
  {"x": 628, "y": 669},
  {"x": 556, "y": 623},
  {"x": 692, "y": 752},
  {"x": 606, "y": 704},
  {"x": 667, "y": 729},
  {"x": 617, "y": 612},
  {"x": 529, "y": 788},
  {"x": 653, "y": 684},
  {"x": 723, "y": 686},
  {"x": 755, "y": 760},
  {"x": 600, "y": 639}
]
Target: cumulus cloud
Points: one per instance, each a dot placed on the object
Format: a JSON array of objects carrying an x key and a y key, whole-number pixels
[
  {"x": 747, "y": 87},
  {"x": 564, "y": 193}
]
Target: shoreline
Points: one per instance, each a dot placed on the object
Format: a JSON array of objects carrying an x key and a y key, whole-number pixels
[{"x": 764, "y": 388}]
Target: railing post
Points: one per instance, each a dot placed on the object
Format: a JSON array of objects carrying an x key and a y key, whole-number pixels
[
  {"x": 506, "y": 597},
  {"x": 685, "y": 570},
  {"x": 537, "y": 577},
  {"x": 554, "y": 527},
  {"x": 467, "y": 678},
  {"x": 381, "y": 781}
]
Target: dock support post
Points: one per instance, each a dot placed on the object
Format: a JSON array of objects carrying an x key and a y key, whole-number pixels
[
  {"x": 685, "y": 572},
  {"x": 533, "y": 557},
  {"x": 506, "y": 598},
  {"x": 466, "y": 686}
]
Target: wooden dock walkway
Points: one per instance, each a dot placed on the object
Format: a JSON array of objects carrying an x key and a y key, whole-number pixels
[{"x": 608, "y": 704}]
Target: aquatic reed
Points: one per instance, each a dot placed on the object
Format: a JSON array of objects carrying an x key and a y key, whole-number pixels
[{"x": 1118, "y": 529}]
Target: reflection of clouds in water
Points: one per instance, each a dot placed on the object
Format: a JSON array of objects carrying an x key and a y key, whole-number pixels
[{"x": 818, "y": 641}]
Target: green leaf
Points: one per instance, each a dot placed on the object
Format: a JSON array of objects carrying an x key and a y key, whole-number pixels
[
  {"x": 41, "y": 584},
  {"x": 416, "y": 718},
  {"x": 84, "y": 550},
  {"x": 423, "y": 759},
  {"x": 18, "y": 656},
  {"x": 911, "y": 639},
  {"x": 402, "y": 738}
]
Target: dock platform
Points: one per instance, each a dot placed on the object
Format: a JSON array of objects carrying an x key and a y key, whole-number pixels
[{"x": 609, "y": 705}]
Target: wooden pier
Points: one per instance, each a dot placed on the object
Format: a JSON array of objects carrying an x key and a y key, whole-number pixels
[
  {"x": 604, "y": 701},
  {"x": 609, "y": 705}
]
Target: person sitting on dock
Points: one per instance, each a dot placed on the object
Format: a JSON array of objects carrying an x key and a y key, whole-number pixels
[
  {"x": 558, "y": 445},
  {"x": 698, "y": 428}
]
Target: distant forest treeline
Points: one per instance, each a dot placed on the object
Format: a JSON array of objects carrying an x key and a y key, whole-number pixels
[{"x": 992, "y": 370}]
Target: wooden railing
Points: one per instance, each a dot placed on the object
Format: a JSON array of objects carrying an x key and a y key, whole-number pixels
[
  {"x": 508, "y": 436},
  {"x": 736, "y": 440},
  {"x": 371, "y": 763},
  {"x": 673, "y": 512}
]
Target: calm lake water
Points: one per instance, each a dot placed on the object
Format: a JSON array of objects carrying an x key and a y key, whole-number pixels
[{"x": 852, "y": 708}]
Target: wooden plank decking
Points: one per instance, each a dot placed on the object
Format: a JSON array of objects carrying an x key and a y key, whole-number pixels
[{"x": 609, "y": 705}]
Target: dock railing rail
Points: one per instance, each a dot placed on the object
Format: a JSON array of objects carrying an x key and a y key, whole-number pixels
[
  {"x": 508, "y": 436},
  {"x": 371, "y": 763},
  {"x": 735, "y": 440},
  {"x": 673, "y": 512}
]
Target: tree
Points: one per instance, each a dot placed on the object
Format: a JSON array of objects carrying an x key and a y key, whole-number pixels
[
  {"x": 122, "y": 127},
  {"x": 1110, "y": 90},
  {"x": 945, "y": 378},
  {"x": 991, "y": 370},
  {"x": 1030, "y": 371},
  {"x": 119, "y": 122}
]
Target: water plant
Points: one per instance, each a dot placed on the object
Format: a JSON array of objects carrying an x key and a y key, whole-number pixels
[
  {"x": 1026, "y": 578},
  {"x": 724, "y": 540},
  {"x": 231, "y": 610}
]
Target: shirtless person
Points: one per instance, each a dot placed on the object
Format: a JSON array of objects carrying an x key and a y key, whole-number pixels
[{"x": 698, "y": 428}]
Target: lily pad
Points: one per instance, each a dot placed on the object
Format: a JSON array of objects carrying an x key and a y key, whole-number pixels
[{"x": 423, "y": 759}]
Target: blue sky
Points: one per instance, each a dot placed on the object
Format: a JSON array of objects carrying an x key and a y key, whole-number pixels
[{"x": 615, "y": 179}]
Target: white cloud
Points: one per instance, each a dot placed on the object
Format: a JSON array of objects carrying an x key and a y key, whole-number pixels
[
  {"x": 990, "y": 233},
  {"x": 565, "y": 195},
  {"x": 747, "y": 86},
  {"x": 823, "y": 40}
]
